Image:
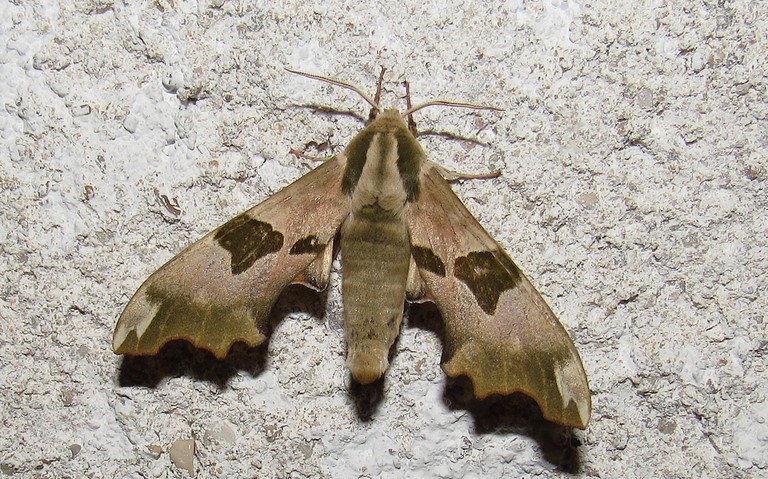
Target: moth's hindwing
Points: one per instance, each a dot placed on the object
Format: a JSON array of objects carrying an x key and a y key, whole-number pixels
[
  {"x": 221, "y": 289},
  {"x": 499, "y": 331}
]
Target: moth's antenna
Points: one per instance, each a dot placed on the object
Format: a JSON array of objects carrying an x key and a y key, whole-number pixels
[
  {"x": 408, "y": 112},
  {"x": 340, "y": 83},
  {"x": 455, "y": 104},
  {"x": 377, "y": 98}
]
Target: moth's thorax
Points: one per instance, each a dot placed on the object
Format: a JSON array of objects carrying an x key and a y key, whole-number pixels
[{"x": 383, "y": 165}]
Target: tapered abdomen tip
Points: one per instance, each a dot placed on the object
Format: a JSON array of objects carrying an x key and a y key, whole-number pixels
[{"x": 366, "y": 367}]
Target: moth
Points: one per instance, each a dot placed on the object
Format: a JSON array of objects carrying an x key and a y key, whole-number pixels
[{"x": 403, "y": 234}]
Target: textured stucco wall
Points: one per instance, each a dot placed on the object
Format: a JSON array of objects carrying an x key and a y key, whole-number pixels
[{"x": 633, "y": 152}]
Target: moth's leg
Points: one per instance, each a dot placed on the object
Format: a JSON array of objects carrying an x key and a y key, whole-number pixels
[
  {"x": 416, "y": 290},
  {"x": 171, "y": 206},
  {"x": 301, "y": 154},
  {"x": 451, "y": 175},
  {"x": 319, "y": 147},
  {"x": 377, "y": 97}
]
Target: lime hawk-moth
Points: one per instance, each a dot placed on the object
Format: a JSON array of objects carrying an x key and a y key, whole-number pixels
[{"x": 403, "y": 235}]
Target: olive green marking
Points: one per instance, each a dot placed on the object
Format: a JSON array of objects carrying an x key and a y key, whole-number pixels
[
  {"x": 426, "y": 259},
  {"x": 215, "y": 327},
  {"x": 247, "y": 240},
  {"x": 487, "y": 275},
  {"x": 408, "y": 154},
  {"x": 357, "y": 154},
  {"x": 307, "y": 245}
]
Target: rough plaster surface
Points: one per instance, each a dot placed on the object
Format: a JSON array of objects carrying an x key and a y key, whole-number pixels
[{"x": 633, "y": 152}]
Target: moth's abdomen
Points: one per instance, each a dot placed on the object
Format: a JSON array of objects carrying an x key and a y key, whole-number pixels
[{"x": 375, "y": 258}]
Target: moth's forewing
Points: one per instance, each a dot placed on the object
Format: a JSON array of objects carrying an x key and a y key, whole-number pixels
[
  {"x": 220, "y": 289},
  {"x": 499, "y": 331}
]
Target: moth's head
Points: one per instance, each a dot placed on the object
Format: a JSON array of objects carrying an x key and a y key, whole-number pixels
[
  {"x": 390, "y": 113},
  {"x": 388, "y": 119}
]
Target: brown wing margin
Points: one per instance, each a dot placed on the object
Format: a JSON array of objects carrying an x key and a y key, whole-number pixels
[
  {"x": 221, "y": 289},
  {"x": 499, "y": 331}
]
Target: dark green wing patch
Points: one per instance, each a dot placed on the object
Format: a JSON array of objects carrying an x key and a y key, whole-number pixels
[
  {"x": 247, "y": 240},
  {"x": 487, "y": 276},
  {"x": 426, "y": 259},
  {"x": 409, "y": 155},
  {"x": 212, "y": 326},
  {"x": 307, "y": 245},
  {"x": 357, "y": 154}
]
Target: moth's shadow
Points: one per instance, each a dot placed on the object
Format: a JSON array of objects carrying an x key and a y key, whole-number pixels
[
  {"x": 500, "y": 415},
  {"x": 180, "y": 358},
  {"x": 367, "y": 398},
  {"x": 334, "y": 111},
  {"x": 329, "y": 110},
  {"x": 519, "y": 415}
]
